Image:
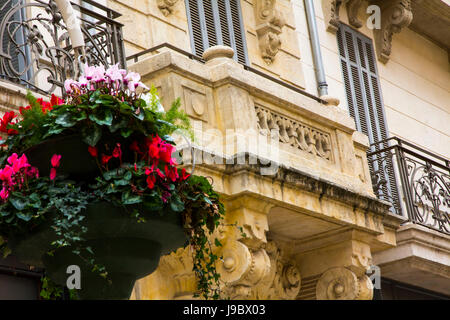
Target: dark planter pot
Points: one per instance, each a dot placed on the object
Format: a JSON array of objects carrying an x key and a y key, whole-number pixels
[
  {"x": 129, "y": 250},
  {"x": 76, "y": 162}
]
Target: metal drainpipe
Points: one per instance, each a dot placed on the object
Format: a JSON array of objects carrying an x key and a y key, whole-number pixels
[
  {"x": 315, "y": 45},
  {"x": 73, "y": 26}
]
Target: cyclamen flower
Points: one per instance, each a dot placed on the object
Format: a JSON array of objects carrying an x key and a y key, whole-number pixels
[
  {"x": 151, "y": 179},
  {"x": 4, "y": 194},
  {"x": 52, "y": 173},
  {"x": 55, "y": 160},
  {"x": 105, "y": 159},
  {"x": 184, "y": 175},
  {"x": 93, "y": 151},
  {"x": 69, "y": 84},
  {"x": 115, "y": 74},
  {"x": 117, "y": 152}
]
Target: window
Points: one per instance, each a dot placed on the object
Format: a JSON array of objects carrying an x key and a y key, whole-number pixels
[
  {"x": 216, "y": 22},
  {"x": 13, "y": 58},
  {"x": 365, "y": 105}
]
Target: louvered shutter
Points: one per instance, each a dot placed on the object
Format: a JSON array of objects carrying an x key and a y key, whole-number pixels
[
  {"x": 216, "y": 22},
  {"x": 365, "y": 104}
]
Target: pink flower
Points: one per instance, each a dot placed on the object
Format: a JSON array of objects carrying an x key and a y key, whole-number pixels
[
  {"x": 55, "y": 160},
  {"x": 52, "y": 173},
  {"x": 94, "y": 73},
  {"x": 4, "y": 194},
  {"x": 69, "y": 84},
  {"x": 114, "y": 73},
  {"x": 132, "y": 80}
]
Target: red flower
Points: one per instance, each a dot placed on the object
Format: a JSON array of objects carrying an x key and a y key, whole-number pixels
[
  {"x": 93, "y": 151},
  {"x": 165, "y": 152},
  {"x": 22, "y": 109},
  {"x": 55, "y": 160},
  {"x": 184, "y": 175},
  {"x": 135, "y": 147},
  {"x": 7, "y": 119},
  {"x": 160, "y": 174},
  {"x": 56, "y": 101},
  {"x": 151, "y": 179},
  {"x": 117, "y": 152},
  {"x": 105, "y": 159},
  {"x": 171, "y": 173},
  {"x": 52, "y": 173}
]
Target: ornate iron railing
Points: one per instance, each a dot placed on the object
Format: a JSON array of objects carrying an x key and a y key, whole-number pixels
[
  {"x": 423, "y": 177},
  {"x": 35, "y": 48}
]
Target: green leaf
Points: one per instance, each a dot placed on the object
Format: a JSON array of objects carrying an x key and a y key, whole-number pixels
[
  {"x": 91, "y": 135},
  {"x": 18, "y": 203},
  {"x": 66, "y": 120},
  {"x": 126, "y": 132},
  {"x": 128, "y": 198},
  {"x": 25, "y": 217},
  {"x": 105, "y": 117},
  {"x": 176, "y": 204},
  {"x": 128, "y": 175}
]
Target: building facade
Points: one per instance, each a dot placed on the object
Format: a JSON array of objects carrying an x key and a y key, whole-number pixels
[{"x": 324, "y": 124}]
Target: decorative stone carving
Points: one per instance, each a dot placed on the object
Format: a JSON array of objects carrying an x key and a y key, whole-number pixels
[
  {"x": 294, "y": 133},
  {"x": 166, "y": 6},
  {"x": 331, "y": 13},
  {"x": 395, "y": 15},
  {"x": 343, "y": 284},
  {"x": 269, "y": 24},
  {"x": 269, "y": 276}
]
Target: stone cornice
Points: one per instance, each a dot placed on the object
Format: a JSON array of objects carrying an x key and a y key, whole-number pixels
[{"x": 303, "y": 181}]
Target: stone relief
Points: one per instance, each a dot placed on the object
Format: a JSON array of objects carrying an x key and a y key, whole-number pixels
[
  {"x": 269, "y": 24},
  {"x": 166, "y": 6},
  {"x": 294, "y": 133},
  {"x": 395, "y": 15}
]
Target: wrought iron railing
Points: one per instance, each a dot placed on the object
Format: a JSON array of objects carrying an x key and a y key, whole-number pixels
[
  {"x": 35, "y": 48},
  {"x": 415, "y": 181}
]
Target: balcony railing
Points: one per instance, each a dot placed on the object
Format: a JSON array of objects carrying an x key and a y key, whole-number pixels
[
  {"x": 35, "y": 48},
  {"x": 415, "y": 181}
]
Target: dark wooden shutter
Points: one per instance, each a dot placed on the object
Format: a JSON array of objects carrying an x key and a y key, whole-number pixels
[
  {"x": 216, "y": 22},
  {"x": 365, "y": 105}
]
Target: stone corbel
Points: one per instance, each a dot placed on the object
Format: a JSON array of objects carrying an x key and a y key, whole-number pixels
[
  {"x": 331, "y": 13},
  {"x": 395, "y": 15},
  {"x": 259, "y": 274},
  {"x": 166, "y": 6},
  {"x": 343, "y": 284},
  {"x": 269, "y": 24}
]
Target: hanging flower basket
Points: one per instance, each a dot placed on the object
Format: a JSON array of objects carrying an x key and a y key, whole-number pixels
[
  {"x": 127, "y": 249},
  {"x": 91, "y": 181}
]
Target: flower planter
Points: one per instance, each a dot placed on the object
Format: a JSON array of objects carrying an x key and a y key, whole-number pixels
[
  {"x": 129, "y": 250},
  {"x": 77, "y": 163}
]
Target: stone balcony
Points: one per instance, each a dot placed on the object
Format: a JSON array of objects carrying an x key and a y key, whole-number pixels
[{"x": 293, "y": 173}]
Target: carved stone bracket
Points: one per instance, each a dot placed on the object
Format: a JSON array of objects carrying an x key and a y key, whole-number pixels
[
  {"x": 331, "y": 13},
  {"x": 166, "y": 6},
  {"x": 263, "y": 273},
  {"x": 294, "y": 133},
  {"x": 269, "y": 24},
  {"x": 395, "y": 15},
  {"x": 343, "y": 284}
]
